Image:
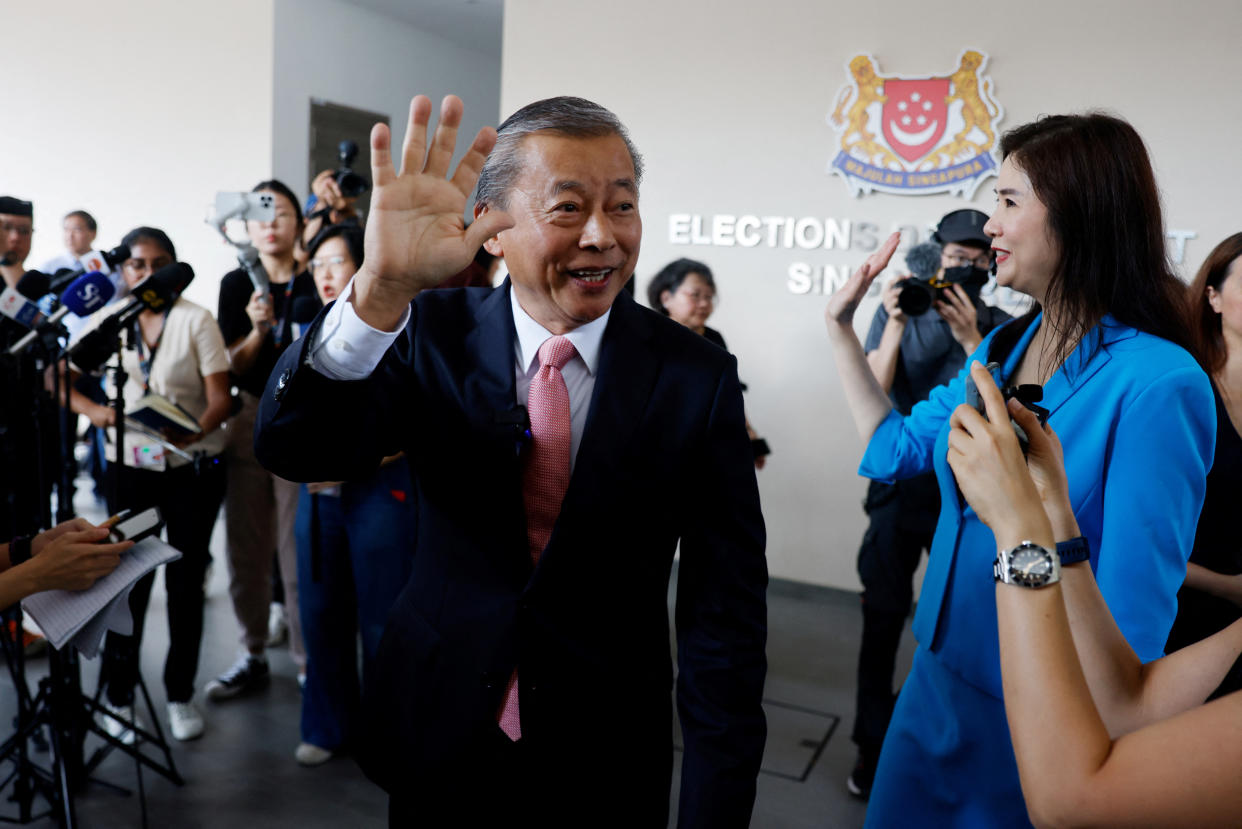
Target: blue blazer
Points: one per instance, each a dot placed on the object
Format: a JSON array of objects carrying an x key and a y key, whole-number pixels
[
  {"x": 664, "y": 457},
  {"x": 1135, "y": 416}
]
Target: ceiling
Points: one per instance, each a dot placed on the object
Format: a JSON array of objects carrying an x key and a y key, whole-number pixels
[{"x": 473, "y": 24}]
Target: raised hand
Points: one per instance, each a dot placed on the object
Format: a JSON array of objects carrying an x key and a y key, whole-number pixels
[
  {"x": 416, "y": 236},
  {"x": 845, "y": 300}
]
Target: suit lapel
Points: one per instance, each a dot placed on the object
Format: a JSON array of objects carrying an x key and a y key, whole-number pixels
[
  {"x": 490, "y": 399},
  {"x": 1087, "y": 358}
]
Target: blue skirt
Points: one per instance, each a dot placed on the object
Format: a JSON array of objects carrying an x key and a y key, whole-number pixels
[{"x": 947, "y": 759}]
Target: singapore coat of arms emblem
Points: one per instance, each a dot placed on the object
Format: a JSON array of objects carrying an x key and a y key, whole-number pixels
[{"x": 916, "y": 135}]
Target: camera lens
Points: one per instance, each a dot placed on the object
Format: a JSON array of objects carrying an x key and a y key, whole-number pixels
[
  {"x": 914, "y": 299},
  {"x": 351, "y": 183}
]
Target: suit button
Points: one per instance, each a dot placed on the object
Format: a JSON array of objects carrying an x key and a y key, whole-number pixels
[{"x": 281, "y": 385}]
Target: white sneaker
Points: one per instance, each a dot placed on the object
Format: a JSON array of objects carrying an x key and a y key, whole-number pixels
[
  {"x": 277, "y": 625},
  {"x": 184, "y": 721},
  {"x": 115, "y": 728},
  {"x": 311, "y": 755}
]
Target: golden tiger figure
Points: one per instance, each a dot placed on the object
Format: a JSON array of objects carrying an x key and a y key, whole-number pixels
[{"x": 869, "y": 87}]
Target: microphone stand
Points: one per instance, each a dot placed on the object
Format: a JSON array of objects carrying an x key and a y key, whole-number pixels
[{"x": 69, "y": 714}]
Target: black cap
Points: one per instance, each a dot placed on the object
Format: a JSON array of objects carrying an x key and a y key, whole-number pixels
[
  {"x": 964, "y": 227},
  {"x": 16, "y": 207}
]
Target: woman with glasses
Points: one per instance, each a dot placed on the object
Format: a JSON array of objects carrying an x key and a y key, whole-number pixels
[
  {"x": 685, "y": 291},
  {"x": 355, "y": 542},
  {"x": 259, "y": 507},
  {"x": 180, "y": 355}
]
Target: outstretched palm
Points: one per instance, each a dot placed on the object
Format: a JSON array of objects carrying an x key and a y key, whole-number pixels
[
  {"x": 416, "y": 237},
  {"x": 845, "y": 300}
]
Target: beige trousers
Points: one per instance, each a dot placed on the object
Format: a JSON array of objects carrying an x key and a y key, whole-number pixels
[{"x": 259, "y": 512}]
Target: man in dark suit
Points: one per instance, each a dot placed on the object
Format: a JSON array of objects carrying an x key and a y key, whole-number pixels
[{"x": 563, "y": 441}]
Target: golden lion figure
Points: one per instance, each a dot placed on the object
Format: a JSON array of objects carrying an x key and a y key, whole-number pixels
[
  {"x": 976, "y": 112},
  {"x": 870, "y": 90}
]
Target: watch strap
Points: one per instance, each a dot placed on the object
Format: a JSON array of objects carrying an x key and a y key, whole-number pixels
[{"x": 1073, "y": 551}]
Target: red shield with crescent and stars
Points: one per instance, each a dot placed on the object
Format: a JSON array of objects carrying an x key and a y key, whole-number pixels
[{"x": 914, "y": 116}]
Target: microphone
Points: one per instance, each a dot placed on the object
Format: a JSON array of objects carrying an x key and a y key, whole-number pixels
[
  {"x": 104, "y": 262},
  {"x": 15, "y": 302},
  {"x": 923, "y": 260},
  {"x": 155, "y": 293},
  {"x": 87, "y": 294}
]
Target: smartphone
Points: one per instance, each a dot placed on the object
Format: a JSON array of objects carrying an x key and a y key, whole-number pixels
[
  {"x": 258, "y": 207},
  {"x": 135, "y": 526}
]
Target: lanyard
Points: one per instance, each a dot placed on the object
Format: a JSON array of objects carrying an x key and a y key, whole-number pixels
[
  {"x": 144, "y": 362},
  {"x": 278, "y": 330}
]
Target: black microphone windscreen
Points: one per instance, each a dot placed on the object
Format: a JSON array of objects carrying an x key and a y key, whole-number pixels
[
  {"x": 94, "y": 348},
  {"x": 173, "y": 278},
  {"x": 62, "y": 278},
  {"x": 34, "y": 285},
  {"x": 117, "y": 255},
  {"x": 923, "y": 260},
  {"x": 162, "y": 288}
]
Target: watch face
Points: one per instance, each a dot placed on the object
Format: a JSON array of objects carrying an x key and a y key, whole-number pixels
[{"x": 1031, "y": 567}]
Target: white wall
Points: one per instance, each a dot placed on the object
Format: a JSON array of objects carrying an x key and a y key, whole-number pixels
[
  {"x": 728, "y": 102},
  {"x": 349, "y": 55},
  {"x": 137, "y": 112}
]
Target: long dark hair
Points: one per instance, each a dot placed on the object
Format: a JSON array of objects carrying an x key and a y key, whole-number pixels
[
  {"x": 1093, "y": 175},
  {"x": 1207, "y": 333}
]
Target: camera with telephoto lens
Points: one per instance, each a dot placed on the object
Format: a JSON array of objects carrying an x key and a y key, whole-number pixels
[
  {"x": 351, "y": 183},
  {"x": 1028, "y": 394}
]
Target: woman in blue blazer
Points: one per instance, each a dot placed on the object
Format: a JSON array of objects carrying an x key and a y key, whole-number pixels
[{"x": 1078, "y": 227}]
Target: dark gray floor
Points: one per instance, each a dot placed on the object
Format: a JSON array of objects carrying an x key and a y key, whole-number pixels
[{"x": 241, "y": 773}]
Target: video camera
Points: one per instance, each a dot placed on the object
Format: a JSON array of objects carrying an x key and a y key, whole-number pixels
[{"x": 352, "y": 184}]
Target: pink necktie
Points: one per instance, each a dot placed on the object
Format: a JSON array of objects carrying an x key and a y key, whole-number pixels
[{"x": 545, "y": 477}]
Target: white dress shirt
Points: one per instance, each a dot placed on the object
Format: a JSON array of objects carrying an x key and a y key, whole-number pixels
[{"x": 346, "y": 348}]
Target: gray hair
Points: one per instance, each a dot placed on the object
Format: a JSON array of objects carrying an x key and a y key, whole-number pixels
[{"x": 573, "y": 117}]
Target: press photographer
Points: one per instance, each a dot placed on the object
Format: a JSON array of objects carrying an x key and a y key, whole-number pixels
[
  {"x": 911, "y": 352},
  {"x": 335, "y": 195}
]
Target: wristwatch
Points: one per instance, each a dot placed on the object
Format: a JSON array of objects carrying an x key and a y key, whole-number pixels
[{"x": 1027, "y": 565}]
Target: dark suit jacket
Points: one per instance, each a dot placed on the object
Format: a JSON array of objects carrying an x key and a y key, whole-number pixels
[{"x": 664, "y": 457}]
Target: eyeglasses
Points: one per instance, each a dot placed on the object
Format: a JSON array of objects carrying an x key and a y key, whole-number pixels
[
  {"x": 331, "y": 261},
  {"x": 698, "y": 296},
  {"x": 140, "y": 265},
  {"x": 20, "y": 230},
  {"x": 983, "y": 260}
]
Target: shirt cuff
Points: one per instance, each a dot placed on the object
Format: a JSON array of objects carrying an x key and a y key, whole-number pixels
[{"x": 345, "y": 347}]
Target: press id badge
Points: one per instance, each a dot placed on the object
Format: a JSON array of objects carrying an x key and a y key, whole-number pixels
[{"x": 149, "y": 457}]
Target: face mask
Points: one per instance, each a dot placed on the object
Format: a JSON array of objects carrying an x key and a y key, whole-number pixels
[{"x": 968, "y": 276}]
